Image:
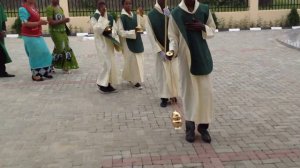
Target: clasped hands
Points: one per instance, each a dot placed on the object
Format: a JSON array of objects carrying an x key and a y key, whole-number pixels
[{"x": 195, "y": 25}]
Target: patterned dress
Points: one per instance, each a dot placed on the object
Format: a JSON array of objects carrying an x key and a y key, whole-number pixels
[{"x": 63, "y": 56}]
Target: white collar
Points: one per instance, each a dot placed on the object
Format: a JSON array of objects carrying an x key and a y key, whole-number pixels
[
  {"x": 105, "y": 15},
  {"x": 184, "y": 7},
  {"x": 125, "y": 13},
  {"x": 158, "y": 8}
]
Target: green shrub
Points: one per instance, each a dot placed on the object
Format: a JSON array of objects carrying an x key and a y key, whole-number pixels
[
  {"x": 216, "y": 20},
  {"x": 293, "y": 18},
  {"x": 114, "y": 15}
]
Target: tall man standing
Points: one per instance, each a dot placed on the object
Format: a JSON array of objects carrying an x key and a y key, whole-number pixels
[
  {"x": 190, "y": 24},
  {"x": 166, "y": 71},
  {"x": 4, "y": 57}
]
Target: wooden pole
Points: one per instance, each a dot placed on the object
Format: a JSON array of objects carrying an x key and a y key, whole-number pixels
[
  {"x": 175, "y": 116},
  {"x": 166, "y": 28}
]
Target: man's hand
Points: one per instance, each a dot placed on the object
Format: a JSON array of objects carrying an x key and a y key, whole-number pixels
[
  {"x": 2, "y": 34},
  {"x": 107, "y": 31},
  {"x": 67, "y": 20},
  {"x": 43, "y": 22},
  {"x": 167, "y": 11},
  {"x": 196, "y": 25},
  {"x": 162, "y": 55}
]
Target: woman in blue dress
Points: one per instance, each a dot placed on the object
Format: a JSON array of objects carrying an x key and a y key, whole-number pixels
[{"x": 40, "y": 58}]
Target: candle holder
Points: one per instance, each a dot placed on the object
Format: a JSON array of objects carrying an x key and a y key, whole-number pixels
[
  {"x": 139, "y": 29},
  {"x": 170, "y": 53}
]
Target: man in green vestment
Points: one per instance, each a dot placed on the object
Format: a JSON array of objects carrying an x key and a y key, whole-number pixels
[
  {"x": 166, "y": 71},
  {"x": 191, "y": 23},
  {"x": 4, "y": 57}
]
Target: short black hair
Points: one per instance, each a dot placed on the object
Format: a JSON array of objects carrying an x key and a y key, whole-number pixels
[
  {"x": 123, "y": 1},
  {"x": 100, "y": 2}
]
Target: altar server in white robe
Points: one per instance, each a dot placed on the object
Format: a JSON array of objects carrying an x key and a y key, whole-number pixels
[
  {"x": 104, "y": 28},
  {"x": 132, "y": 46},
  {"x": 166, "y": 71},
  {"x": 190, "y": 24}
]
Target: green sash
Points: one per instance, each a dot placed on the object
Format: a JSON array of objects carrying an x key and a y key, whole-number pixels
[
  {"x": 157, "y": 21},
  {"x": 134, "y": 45},
  {"x": 117, "y": 45},
  {"x": 201, "y": 60},
  {"x": 2, "y": 44},
  {"x": 4, "y": 51},
  {"x": 110, "y": 18},
  {"x": 3, "y": 17}
]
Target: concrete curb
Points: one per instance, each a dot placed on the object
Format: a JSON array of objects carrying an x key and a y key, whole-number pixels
[{"x": 217, "y": 30}]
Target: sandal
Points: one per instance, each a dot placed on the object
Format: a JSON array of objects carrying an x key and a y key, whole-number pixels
[
  {"x": 37, "y": 78},
  {"x": 48, "y": 76}
]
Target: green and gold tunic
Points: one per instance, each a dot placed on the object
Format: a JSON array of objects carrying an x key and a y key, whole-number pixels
[{"x": 63, "y": 56}]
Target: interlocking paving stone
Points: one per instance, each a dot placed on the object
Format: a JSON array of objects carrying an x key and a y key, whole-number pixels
[{"x": 66, "y": 122}]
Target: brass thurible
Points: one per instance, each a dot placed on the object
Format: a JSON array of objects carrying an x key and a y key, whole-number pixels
[
  {"x": 108, "y": 30},
  {"x": 176, "y": 120},
  {"x": 139, "y": 29}
]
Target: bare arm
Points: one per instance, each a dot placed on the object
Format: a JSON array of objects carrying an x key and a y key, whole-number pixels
[
  {"x": 34, "y": 24},
  {"x": 57, "y": 22}
]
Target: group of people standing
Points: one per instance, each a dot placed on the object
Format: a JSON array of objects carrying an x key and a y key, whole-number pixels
[
  {"x": 185, "y": 72},
  {"x": 42, "y": 62},
  {"x": 190, "y": 61}
]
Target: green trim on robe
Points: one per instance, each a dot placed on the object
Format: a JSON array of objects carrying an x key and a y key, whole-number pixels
[
  {"x": 157, "y": 21},
  {"x": 117, "y": 45},
  {"x": 3, "y": 18},
  {"x": 134, "y": 45},
  {"x": 110, "y": 18},
  {"x": 201, "y": 60}
]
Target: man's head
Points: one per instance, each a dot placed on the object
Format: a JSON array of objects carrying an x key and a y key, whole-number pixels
[
  {"x": 55, "y": 2},
  {"x": 189, "y": 2},
  {"x": 127, "y": 5},
  {"x": 161, "y": 3},
  {"x": 140, "y": 11},
  {"x": 101, "y": 7}
]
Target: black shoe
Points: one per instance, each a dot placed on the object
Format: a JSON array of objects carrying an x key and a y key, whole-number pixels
[
  {"x": 111, "y": 89},
  {"x": 103, "y": 89},
  {"x": 138, "y": 86},
  {"x": 6, "y": 75},
  {"x": 164, "y": 102},
  {"x": 204, "y": 134},
  {"x": 190, "y": 131},
  {"x": 173, "y": 100}
]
